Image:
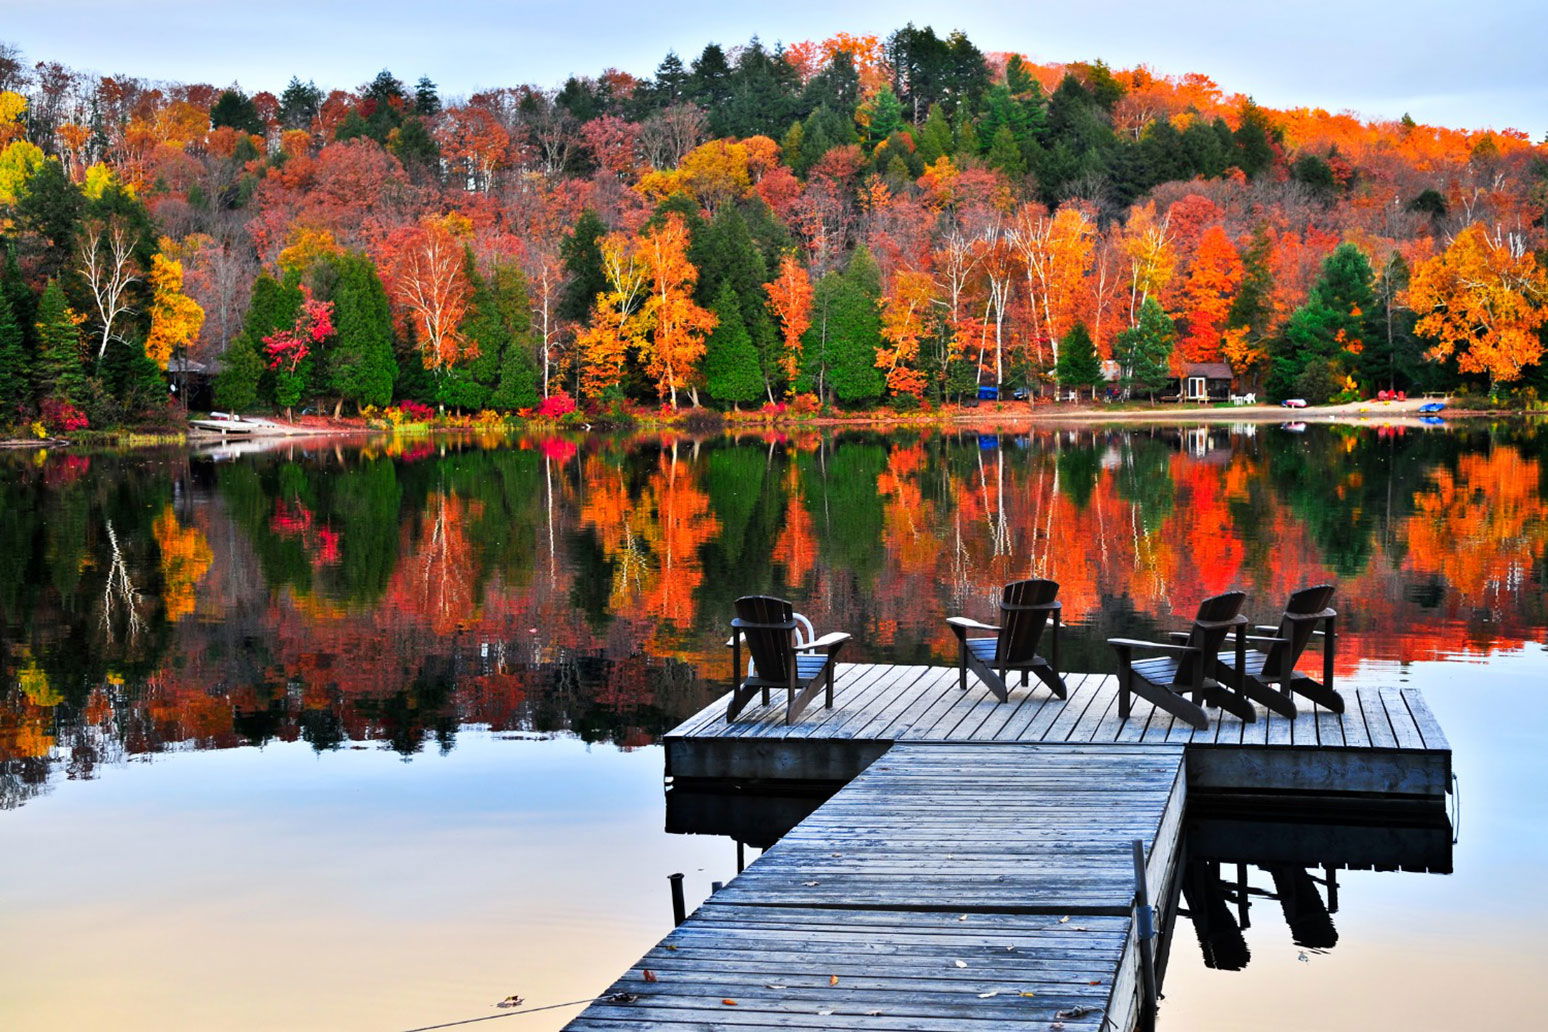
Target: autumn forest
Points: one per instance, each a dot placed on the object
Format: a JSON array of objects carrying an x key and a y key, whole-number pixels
[{"x": 859, "y": 221}]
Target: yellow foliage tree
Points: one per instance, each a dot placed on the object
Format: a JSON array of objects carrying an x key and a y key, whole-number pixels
[
  {"x": 17, "y": 163},
  {"x": 307, "y": 245},
  {"x": 176, "y": 318}
]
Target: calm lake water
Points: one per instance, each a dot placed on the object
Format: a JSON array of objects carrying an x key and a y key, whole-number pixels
[{"x": 362, "y": 736}]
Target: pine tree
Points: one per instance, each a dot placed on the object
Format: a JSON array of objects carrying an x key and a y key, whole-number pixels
[
  {"x": 1331, "y": 330},
  {"x": 854, "y": 332},
  {"x": 582, "y": 256},
  {"x": 934, "y": 137},
  {"x": 731, "y": 372},
  {"x": 500, "y": 323},
  {"x": 886, "y": 115},
  {"x": 361, "y": 367},
  {"x": 15, "y": 381},
  {"x": 1078, "y": 365},
  {"x": 60, "y": 371},
  {"x": 1144, "y": 351},
  {"x": 235, "y": 109},
  {"x": 243, "y": 379}
]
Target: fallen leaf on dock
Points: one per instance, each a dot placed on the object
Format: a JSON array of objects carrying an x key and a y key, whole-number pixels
[
  {"x": 729, "y": 1003},
  {"x": 962, "y": 918},
  {"x": 1076, "y": 1012},
  {"x": 510, "y": 1001},
  {"x": 1095, "y": 981},
  {"x": 833, "y": 979},
  {"x": 985, "y": 996},
  {"x": 825, "y": 1012},
  {"x": 811, "y": 883},
  {"x": 649, "y": 975},
  {"x": 669, "y": 947},
  {"x": 873, "y": 1014},
  {"x": 960, "y": 963},
  {"x": 1027, "y": 992},
  {"x": 771, "y": 986},
  {"x": 1064, "y": 920}
]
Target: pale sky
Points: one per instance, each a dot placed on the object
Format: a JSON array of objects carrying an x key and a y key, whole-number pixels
[{"x": 1475, "y": 64}]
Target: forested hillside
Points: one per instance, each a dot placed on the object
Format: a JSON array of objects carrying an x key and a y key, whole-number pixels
[{"x": 856, "y": 221}]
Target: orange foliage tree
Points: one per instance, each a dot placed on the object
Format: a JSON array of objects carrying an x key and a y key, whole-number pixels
[
  {"x": 678, "y": 325},
  {"x": 1483, "y": 299},
  {"x": 790, "y": 298},
  {"x": 1211, "y": 284},
  {"x": 903, "y": 322}
]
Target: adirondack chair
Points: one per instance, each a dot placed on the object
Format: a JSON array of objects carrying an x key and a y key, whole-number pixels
[
  {"x": 1025, "y": 610},
  {"x": 1188, "y": 666},
  {"x": 1281, "y": 649},
  {"x": 778, "y": 661}
]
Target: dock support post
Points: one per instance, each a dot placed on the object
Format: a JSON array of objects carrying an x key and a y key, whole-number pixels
[
  {"x": 679, "y": 911},
  {"x": 1144, "y": 933}
]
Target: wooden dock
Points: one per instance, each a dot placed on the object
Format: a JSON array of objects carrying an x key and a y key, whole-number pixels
[
  {"x": 1386, "y": 742},
  {"x": 947, "y": 887},
  {"x": 975, "y": 871}
]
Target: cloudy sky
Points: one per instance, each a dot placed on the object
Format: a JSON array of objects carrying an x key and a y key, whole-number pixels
[{"x": 1479, "y": 63}]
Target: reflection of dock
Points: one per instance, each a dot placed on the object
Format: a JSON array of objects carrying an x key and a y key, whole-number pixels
[{"x": 975, "y": 872}]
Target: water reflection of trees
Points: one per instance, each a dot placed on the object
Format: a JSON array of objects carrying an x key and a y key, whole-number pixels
[{"x": 396, "y": 594}]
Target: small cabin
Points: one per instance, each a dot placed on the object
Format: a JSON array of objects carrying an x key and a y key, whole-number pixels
[{"x": 1206, "y": 381}]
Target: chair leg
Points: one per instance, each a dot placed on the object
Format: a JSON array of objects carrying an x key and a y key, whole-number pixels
[
  {"x": 991, "y": 679},
  {"x": 828, "y": 695},
  {"x": 1049, "y": 676},
  {"x": 962, "y": 661},
  {"x": 1318, "y": 693},
  {"x": 1125, "y": 699}
]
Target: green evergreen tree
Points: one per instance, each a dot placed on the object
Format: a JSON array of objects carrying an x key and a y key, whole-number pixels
[
  {"x": 886, "y": 115},
  {"x": 731, "y": 367},
  {"x": 299, "y": 104},
  {"x": 24, "y": 303},
  {"x": 726, "y": 255},
  {"x": 581, "y": 252},
  {"x": 49, "y": 215},
  {"x": 60, "y": 372},
  {"x": 15, "y": 381},
  {"x": 1252, "y": 308},
  {"x": 1079, "y": 366},
  {"x": 1006, "y": 155},
  {"x": 243, "y": 379},
  {"x": 1144, "y": 350},
  {"x": 934, "y": 138},
  {"x": 361, "y": 367},
  {"x": 500, "y": 323},
  {"x": 1331, "y": 329},
  {"x": 241, "y": 370},
  {"x": 1254, "y": 138},
  {"x": 854, "y": 332},
  {"x": 235, "y": 109}
]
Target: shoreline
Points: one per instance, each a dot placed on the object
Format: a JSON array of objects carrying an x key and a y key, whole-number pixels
[{"x": 1373, "y": 414}]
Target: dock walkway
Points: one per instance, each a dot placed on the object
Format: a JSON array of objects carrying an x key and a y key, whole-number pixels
[{"x": 947, "y": 887}]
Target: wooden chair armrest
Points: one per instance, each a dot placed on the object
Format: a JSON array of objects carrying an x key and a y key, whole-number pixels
[
  {"x": 1181, "y": 637},
  {"x": 1134, "y": 643},
  {"x": 1267, "y": 638},
  {"x": 1036, "y": 607},
  {"x": 1326, "y": 614},
  {"x": 827, "y": 641},
  {"x": 1266, "y": 629},
  {"x": 970, "y": 625},
  {"x": 787, "y": 625},
  {"x": 1214, "y": 625}
]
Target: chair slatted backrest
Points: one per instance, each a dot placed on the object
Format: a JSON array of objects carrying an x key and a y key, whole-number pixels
[
  {"x": 1025, "y": 607},
  {"x": 768, "y": 624},
  {"x": 1297, "y": 625},
  {"x": 1210, "y": 626}
]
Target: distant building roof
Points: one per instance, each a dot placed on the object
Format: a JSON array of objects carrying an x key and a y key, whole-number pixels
[{"x": 1209, "y": 370}]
